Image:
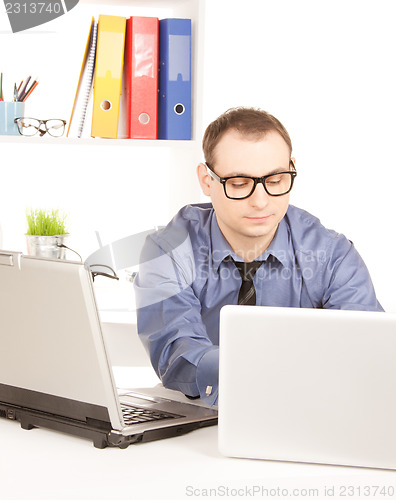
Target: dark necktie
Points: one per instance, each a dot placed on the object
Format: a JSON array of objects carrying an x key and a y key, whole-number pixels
[{"x": 247, "y": 292}]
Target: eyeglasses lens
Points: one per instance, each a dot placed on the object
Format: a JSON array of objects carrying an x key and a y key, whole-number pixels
[
  {"x": 55, "y": 128},
  {"x": 28, "y": 126},
  {"x": 242, "y": 187}
]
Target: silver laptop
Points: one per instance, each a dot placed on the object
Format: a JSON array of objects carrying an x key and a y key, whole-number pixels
[
  {"x": 319, "y": 385},
  {"x": 55, "y": 371}
]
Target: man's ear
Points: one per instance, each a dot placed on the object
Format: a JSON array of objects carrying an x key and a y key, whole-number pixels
[{"x": 204, "y": 179}]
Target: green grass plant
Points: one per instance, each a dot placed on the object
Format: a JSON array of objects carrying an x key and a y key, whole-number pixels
[{"x": 45, "y": 222}]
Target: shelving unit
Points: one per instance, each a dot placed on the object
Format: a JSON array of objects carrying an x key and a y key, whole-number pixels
[{"x": 114, "y": 186}]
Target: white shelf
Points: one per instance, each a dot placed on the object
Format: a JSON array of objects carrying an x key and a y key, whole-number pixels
[{"x": 90, "y": 141}]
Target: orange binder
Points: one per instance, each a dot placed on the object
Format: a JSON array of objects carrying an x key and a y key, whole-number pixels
[
  {"x": 108, "y": 76},
  {"x": 141, "y": 51}
]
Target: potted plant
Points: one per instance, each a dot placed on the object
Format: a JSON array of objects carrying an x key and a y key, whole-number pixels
[{"x": 46, "y": 233}]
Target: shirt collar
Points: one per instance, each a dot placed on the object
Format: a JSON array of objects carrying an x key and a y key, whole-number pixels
[
  {"x": 279, "y": 247},
  {"x": 220, "y": 246}
]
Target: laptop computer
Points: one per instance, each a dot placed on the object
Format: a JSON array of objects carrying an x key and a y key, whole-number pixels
[
  {"x": 55, "y": 371},
  {"x": 320, "y": 385}
]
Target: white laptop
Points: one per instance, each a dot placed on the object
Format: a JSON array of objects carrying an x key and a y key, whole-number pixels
[
  {"x": 320, "y": 385},
  {"x": 55, "y": 371}
]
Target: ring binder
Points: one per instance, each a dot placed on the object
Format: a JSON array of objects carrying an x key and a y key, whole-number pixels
[
  {"x": 108, "y": 76},
  {"x": 175, "y": 79}
]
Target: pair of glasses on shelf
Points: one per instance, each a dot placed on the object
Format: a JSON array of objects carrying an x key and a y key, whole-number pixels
[{"x": 31, "y": 126}]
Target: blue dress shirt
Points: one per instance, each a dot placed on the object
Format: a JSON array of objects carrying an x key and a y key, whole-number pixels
[{"x": 184, "y": 280}]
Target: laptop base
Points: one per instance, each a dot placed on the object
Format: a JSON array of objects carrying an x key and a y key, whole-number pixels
[{"x": 94, "y": 424}]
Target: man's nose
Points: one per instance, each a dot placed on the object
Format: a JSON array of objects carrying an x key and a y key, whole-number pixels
[{"x": 259, "y": 197}]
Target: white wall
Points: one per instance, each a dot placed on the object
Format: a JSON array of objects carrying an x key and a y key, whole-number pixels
[{"x": 326, "y": 70}]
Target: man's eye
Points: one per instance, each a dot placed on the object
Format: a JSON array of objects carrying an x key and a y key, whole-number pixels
[
  {"x": 276, "y": 179},
  {"x": 239, "y": 184}
]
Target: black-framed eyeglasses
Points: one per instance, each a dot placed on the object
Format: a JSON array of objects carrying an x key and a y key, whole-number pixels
[
  {"x": 242, "y": 186},
  {"x": 31, "y": 126}
]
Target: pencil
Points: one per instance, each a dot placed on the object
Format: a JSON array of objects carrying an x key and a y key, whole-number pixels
[
  {"x": 23, "y": 89},
  {"x": 30, "y": 91},
  {"x": 27, "y": 91}
]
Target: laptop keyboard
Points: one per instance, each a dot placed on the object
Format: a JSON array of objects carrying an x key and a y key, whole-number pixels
[{"x": 136, "y": 415}]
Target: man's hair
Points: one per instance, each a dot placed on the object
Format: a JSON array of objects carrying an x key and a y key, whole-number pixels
[{"x": 250, "y": 122}]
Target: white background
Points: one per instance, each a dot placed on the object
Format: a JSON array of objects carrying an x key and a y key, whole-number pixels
[{"x": 326, "y": 69}]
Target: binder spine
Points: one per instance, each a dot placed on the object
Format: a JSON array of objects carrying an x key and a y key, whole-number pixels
[
  {"x": 142, "y": 77},
  {"x": 175, "y": 79},
  {"x": 108, "y": 76}
]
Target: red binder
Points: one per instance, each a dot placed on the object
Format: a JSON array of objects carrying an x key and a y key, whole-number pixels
[{"x": 142, "y": 77}]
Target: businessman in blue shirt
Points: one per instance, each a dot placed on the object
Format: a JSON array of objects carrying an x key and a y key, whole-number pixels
[{"x": 190, "y": 269}]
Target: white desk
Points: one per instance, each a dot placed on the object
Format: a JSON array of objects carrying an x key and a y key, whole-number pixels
[{"x": 46, "y": 465}]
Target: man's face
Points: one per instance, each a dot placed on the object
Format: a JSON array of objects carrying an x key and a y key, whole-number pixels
[{"x": 250, "y": 224}]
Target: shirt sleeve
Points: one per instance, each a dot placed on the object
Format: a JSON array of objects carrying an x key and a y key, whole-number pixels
[
  {"x": 347, "y": 280},
  {"x": 169, "y": 319}
]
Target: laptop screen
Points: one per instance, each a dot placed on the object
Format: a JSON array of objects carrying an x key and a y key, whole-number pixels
[{"x": 51, "y": 339}]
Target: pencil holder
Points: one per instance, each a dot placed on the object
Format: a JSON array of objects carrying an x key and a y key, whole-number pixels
[{"x": 8, "y": 112}]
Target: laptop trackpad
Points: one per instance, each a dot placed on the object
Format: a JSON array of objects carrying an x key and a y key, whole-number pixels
[{"x": 134, "y": 398}]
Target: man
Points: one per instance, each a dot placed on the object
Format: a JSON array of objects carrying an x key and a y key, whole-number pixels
[{"x": 198, "y": 263}]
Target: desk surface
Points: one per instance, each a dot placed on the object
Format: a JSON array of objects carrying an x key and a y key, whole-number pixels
[{"x": 44, "y": 465}]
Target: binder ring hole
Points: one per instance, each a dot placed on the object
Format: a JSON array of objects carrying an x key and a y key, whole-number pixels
[
  {"x": 144, "y": 118},
  {"x": 105, "y": 105},
  {"x": 179, "y": 109}
]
